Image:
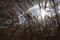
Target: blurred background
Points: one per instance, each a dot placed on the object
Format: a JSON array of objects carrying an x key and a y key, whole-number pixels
[{"x": 29, "y": 19}]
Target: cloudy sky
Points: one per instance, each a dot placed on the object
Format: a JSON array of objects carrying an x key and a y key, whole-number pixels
[{"x": 35, "y": 10}]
